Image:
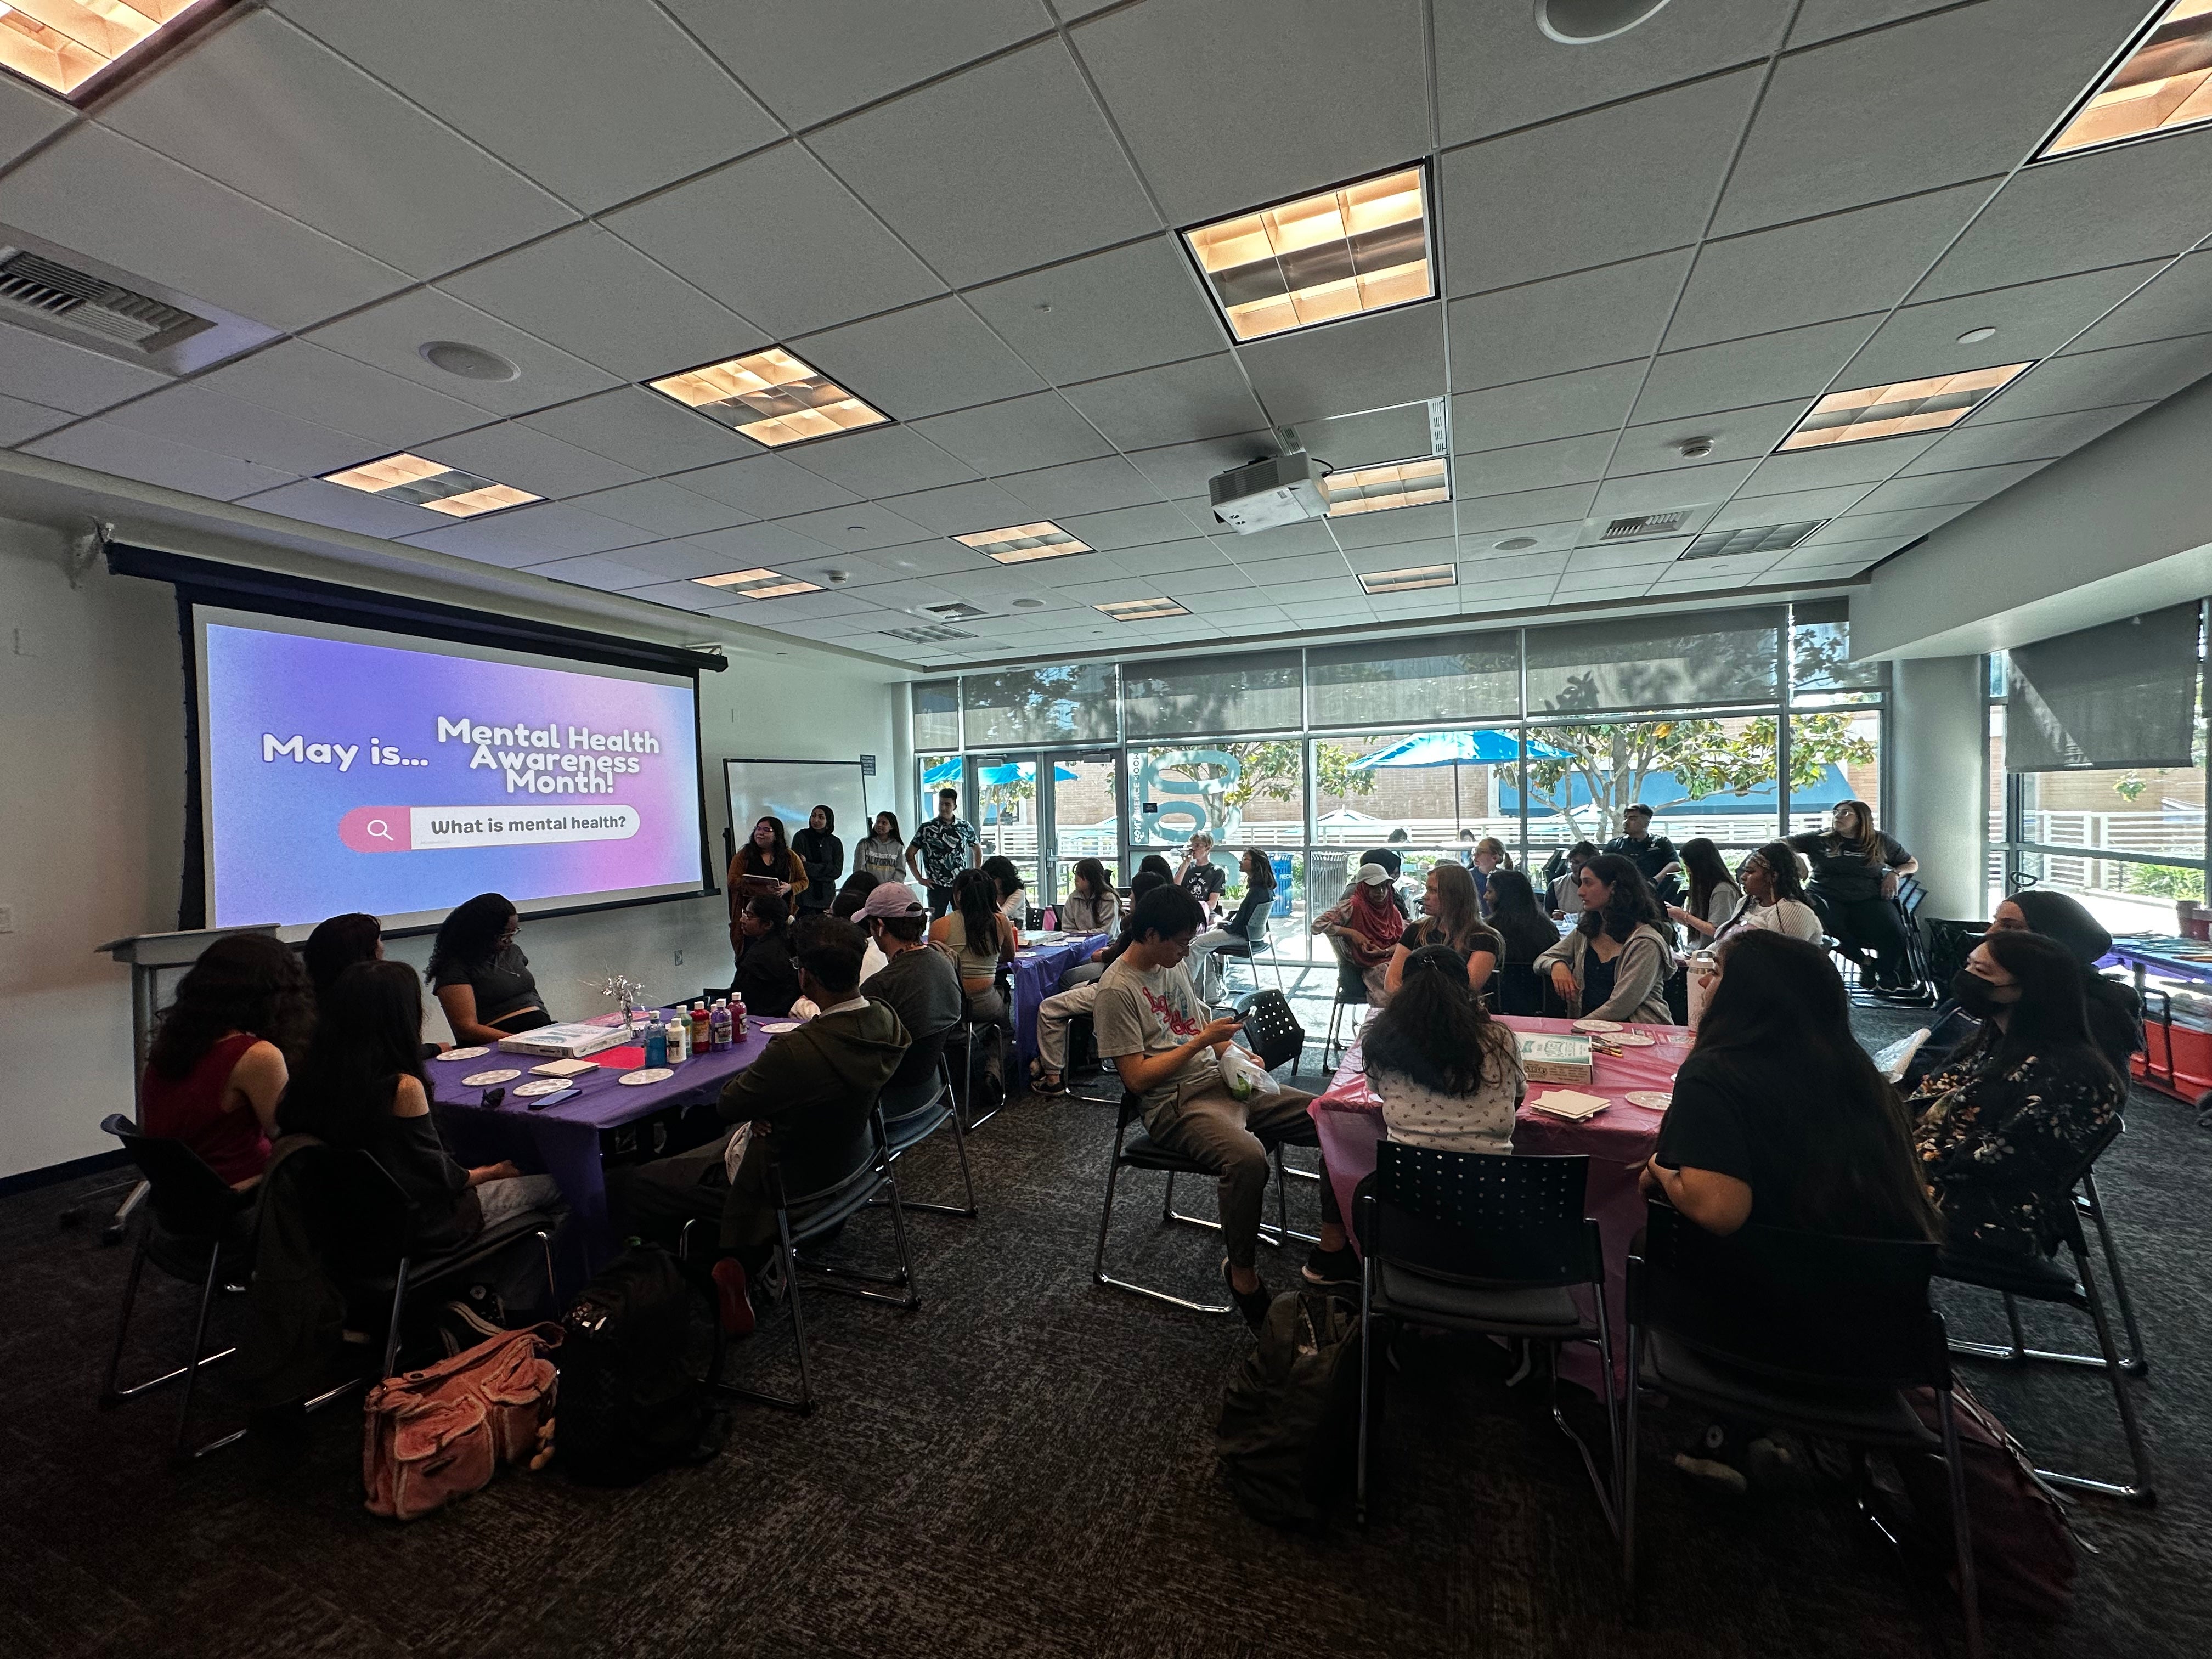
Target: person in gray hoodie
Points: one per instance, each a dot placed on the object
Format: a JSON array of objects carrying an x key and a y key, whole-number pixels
[{"x": 1615, "y": 963}]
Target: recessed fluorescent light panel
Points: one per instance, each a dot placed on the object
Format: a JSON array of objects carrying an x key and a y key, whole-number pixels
[
  {"x": 1377, "y": 489},
  {"x": 1141, "y": 609},
  {"x": 429, "y": 483},
  {"x": 1413, "y": 576},
  {"x": 759, "y": 584},
  {"x": 80, "y": 48},
  {"x": 1763, "y": 539},
  {"x": 2163, "y": 85},
  {"x": 1887, "y": 411},
  {"x": 1025, "y": 543},
  {"x": 1358, "y": 247},
  {"x": 772, "y": 397}
]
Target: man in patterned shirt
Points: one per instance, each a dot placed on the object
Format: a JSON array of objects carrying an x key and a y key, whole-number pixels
[{"x": 942, "y": 848}]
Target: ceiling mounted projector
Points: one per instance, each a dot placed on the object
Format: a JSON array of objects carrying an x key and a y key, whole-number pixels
[{"x": 1278, "y": 490}]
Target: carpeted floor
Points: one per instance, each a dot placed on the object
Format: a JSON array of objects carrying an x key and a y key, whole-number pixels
[{"x": 1024, "y": 1468}]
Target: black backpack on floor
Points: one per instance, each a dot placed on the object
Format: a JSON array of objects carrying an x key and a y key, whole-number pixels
[
  {"x": 628, "y": 1407},
  {"x": 1287, "y": 1435}
]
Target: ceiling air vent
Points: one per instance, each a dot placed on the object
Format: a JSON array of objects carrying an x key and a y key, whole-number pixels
[
  {"x": 64, "y": 294},
  {"x": 927, "y": 635},
  {"x": 1763, "y": 539},
  {"x": 958, "y": 611},
  {"x": 1647, "y": 523}
]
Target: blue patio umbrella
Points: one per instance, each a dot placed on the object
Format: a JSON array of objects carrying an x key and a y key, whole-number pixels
[
  {"x": 1455, "y": 749},
  {"x": 949, "y": 771}
]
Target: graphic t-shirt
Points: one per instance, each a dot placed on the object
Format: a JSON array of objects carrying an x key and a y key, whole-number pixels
[
  {"x": 1204, "y": 883},
  {"x": 944, "y": 850},
  {"x": 1150, "y": 1012}
]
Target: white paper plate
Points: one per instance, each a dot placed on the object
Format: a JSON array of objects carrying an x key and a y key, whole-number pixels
[
  {"x": 487, "y": 1080},
  {"x": 1650, "y": 1099},
  {"x": 544, "y": 1086},
  {"x": 650, "y": 1074},
  {"x": 1597, "y": 1025},
  {"x": 1631, "y": 1040},
  {"x": 477, "y": 1053},
  {"x": 777, "y": 1028}
]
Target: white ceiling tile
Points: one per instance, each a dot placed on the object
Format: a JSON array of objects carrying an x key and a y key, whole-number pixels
[
  {"x": 110, "y": 448},
  {"x": 337, "y": 508},
  {"x": 742, "y": 546},
  {"x": 1881, "y": 526},
  {"x": 922, "y": 361},
  {"x": 2179, "y": 302},
  {"x": 1557, "y": 406},
  {"x": 1532, "y": 466},
  {"x": 959, "y": 509},
  {"x": 531, "y": 535},
  {"x": 1947, "y": 488},
  {"x": 1552, "y": 327},
  {"x": 1206, "y": 398},
  {"x": 937, "y": 557},
  {"x": 1278, "y": 574},
  {"x": 270, "y": 112},
  {"x": 604, "y": 570},
  {"x": 1823, "y": 20},
  {"x": 1823, "y": 469},
  {"x": 1496, "y": 71},
  {"x": 2036, "y": 439},
  {"x": 1131, "y": 307},
  {"x": 1705, "y": 575},
  {"x": 1525, "y": 507},
  {"x": 1544, "y": 540},
  {"x": 1793, "y": 507},
  {"x": 527, "y": 458},
  {"x": 665, "y": 508},
  {"x": 1648, "y": 557},
  {"x": 1285, "y": 542},
  {"x": 27, "y": 115},
  {"x": 303, "y": 381},
  {"x": 1182, "y": 470},
  {"x": 1740, "y": 374},
  {"x": 1397, "y": 523},
  {"x": 1307, "y": 105},
  {"x": 111, "y": 197},
  {"x": 598, "y": 102},
  {"x": 1095, "y": 486},
  {"x": 1149, "y": 525},
  {"x": 47, "y": 371},
  {"x": 589, "y": 291},
  {"x": 1842, "y": 265},
  {"x": 199, "y": 414},
  {"x": 642, "y": 429},
  {"x": 1735, "y": 435},
  {"x": 1001, "y": 168},
  {"x": 1017, "y": 436},
  {"x": 1360, "y": 364},
  {"x": 391, "y": 336},
  {"x": 810, "y": 60},
  {"x": 780, "y": 240},
  {"x": 1483, "y": 567},
  {"x": 1640, "y": 175},
  {"x": 2096, "y": 379},
  {"x": 858, "y": 528},
  {"x": 686, "y": 595},
  {"x": 1165, "y": 559},
  {"x": 889, "y": 460},
  {"x": 1684, "y": 486},
  {"x": 19, "y": 420},
  {"x": 1962, "y": 94},
  {"x": 2031, "y": 320},
  {"x": 1403, "y": 554},
  {"x": 1219, "y": 586},
  {"x": 1478, "y": 597},
  {"x": 767, "y": 486},
  {"x": 814, "y": 607}
]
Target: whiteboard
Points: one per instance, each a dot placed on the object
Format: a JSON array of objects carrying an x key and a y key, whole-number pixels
[{"x": 791, "y": 789}]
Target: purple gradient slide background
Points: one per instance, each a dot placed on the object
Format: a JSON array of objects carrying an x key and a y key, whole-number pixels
[{"x": 273, "y": 826}]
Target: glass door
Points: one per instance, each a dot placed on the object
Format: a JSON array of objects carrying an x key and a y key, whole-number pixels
[
  {"x": 1084, "y": 821},
  {"x": 1007, "y": 813}
]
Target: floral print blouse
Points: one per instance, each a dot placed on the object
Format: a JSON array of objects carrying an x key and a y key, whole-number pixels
[{"x": 1996, "y": 1143}]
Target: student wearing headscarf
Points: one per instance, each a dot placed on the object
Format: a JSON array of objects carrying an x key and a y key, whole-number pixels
[{"x": 1364, "y": 926}]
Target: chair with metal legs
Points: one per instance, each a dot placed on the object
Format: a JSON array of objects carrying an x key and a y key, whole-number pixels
[
  {"x": 1251, "y": 951},
  {"x": 911, "y": 1126},
  {"x": 2040, "y": 1278},
  {"x": 1351, "y": 993},
  {"x": 971, "y": 1035},
  {"x": 1487, "y": 1246}
]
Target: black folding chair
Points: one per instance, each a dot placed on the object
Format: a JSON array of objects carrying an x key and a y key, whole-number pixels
[
  {"x": 2040, "y": 1278},
  {"x": 1351, "y": 993},
  {"x": 1796, "y": 1330},
  {"x": 195, "y": 1228},
  {"x": 1273, "y": 1030},
  {"x": 906, "y": 1126},
  {"x": 1143, "y": 1152},
  {"x": 1491, "y": 1246},
  {"x": 971, "y": 1035},
  {"x": 1520, "y": 989},
  {"x": 1252, "y": 948}
]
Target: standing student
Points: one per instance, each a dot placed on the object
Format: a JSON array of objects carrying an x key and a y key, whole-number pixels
[
  {"x": 942, "y": 848},
  {"x": 1199, "y": 876},
  {"x": 222, "y": 1056},
  {"x": 1615, "y": 963},
  {"x": 1714, "y": 897},
  {"x": 1856, "y": 869},
  {"x": 823, "y": 856},
  {"x": 482, "y": 980},
  {"x": 765, "y": 864},
  {"x": 1488, "y": 857},
  {"x": 1451, "y": 917},
  {"x": 1654, "y": 856},
  {"x": 881, "y": 852}
]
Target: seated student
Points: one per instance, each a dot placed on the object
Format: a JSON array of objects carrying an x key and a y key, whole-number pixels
[
  {"x": 1774, "y": 896},
  {"x": 1092, "y": 906},
  {"x": 1447, "y": 1074},
  {"x": 1364, "y": 927},
  {"x": 1164, "y": 1043},
  {"x": 882, "y": 853},
  {"x": 482, "y": 980},
  {"x": 1387, "y": 860},
  {"x": 1158, "y": 865},
  {"x": 1452, "y": 917},
  {"x": 1199, "y": 875},
  {"x": 1856, "y": 869},
  {"x": 1012, "y": 892},
  {"x": 980, "y": 939},
  {"x": 804, "y": 1105},
  {"x": 1714, "y": 898},
  {"x": 220, "y": 1060},
  {"x": 823, "y": 856},
  {"x": 338, "y": 943},
  {"x": 1079, "y": 994},
  {"x": 362, "y": 1086},
  {"x": 766, "y": 976},
  {"x": 2000, "y": 1126},
  {"x": 846, "y": 907},
  {"x": 919, "y": 983},
  {"x": 1566, "y": 894},
  {"x": 1615, "y": 963},
  {"x": 765, "y": 864},
  {"x": 1654, "y": 856},
  {"x": 1525, "y": 932},
  {"x": 1233, "y": 929}
]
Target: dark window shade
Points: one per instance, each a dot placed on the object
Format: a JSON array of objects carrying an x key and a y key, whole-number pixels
[
  {"x": 2121, "y": 695},
  {"x": 1251, "y": 691},
  {"x": 1821, "y": 644},
  {"x": 1073, "y": 704},
  {"x": 1660, "y": 662},
  {"x": 1474, "y": 676},
  {"x": 936, "y": 716}
]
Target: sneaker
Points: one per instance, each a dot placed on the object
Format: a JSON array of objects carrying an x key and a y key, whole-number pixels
[
  {"x": 1048, "y": 1083},
  {"x": 732, "y": 1305},
  {"x": 1332, "y": 1267},
  {"x": 1710, "y": 1471},
  {"x": 1253, "y": 1304}
]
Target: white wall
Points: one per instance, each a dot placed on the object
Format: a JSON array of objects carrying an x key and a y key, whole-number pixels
[{"x": 92, "y": 769}]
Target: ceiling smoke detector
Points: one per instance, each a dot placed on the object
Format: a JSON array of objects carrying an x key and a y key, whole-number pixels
[
  {"x": 1694, "y": 449},
  {"x": 1584, "y": 22}
]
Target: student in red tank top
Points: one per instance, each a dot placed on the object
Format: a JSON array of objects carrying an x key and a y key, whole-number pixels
[{"x": 218, "y": 1066}]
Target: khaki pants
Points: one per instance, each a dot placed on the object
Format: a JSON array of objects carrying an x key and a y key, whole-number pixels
[{"x": 1232, "y": 1137}]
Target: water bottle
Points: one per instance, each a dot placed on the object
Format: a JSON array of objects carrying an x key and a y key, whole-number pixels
[
  {"x": 656, "y": 1045},
  {"x": 1051, "y": 920}
]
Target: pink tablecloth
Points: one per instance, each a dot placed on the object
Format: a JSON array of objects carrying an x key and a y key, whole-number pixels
[{"x": 1617, "y": 1142}]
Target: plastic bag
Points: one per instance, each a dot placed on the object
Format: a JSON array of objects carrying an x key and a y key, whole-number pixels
[{"x": 1246, "y": 1076}]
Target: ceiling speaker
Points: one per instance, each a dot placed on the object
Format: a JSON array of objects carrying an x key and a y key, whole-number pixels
[{"x": 1580, "y": 22}]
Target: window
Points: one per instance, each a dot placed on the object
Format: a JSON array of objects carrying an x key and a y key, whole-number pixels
[
  {"x": 1261, "y": 692},
  {"x": 1432, "y": 786},
  {"x": 1723, "y": 657},
  {"x": 936, "y": 714},
  {"x": 1474, "y": 676},
  {"x": 1712, "y": 777},
  {"x": 1074, "y": 704},
  {"x": 1240, "y": 793},
  {"x": 1835, "y": 755}
]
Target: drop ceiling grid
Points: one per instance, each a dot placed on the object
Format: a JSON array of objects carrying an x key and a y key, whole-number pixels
[{"x": 1068, "y": 38}]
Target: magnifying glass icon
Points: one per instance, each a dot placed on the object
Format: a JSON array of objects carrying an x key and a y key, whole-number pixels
[{"x": 379, "y": 828}]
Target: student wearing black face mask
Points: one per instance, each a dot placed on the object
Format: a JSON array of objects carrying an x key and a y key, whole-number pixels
[{"x": 1998, "y": 1127}]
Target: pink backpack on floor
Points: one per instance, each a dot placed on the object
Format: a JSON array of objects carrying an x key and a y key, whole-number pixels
[{"x": 437, "y": 1434}]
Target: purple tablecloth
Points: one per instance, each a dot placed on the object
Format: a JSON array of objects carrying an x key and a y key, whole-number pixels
[{"x": 1035, "y": 975}]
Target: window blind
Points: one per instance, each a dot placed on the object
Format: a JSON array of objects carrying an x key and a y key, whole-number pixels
[
  {"x": 1254, "y": 691},
  {"x": 1473, "y": 677},
  {"x": 1660, "y": 662},
  {"x": 2121, "y": 695}
]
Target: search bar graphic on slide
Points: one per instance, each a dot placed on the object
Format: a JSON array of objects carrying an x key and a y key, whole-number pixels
[{"x": 436, "y": 829}]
